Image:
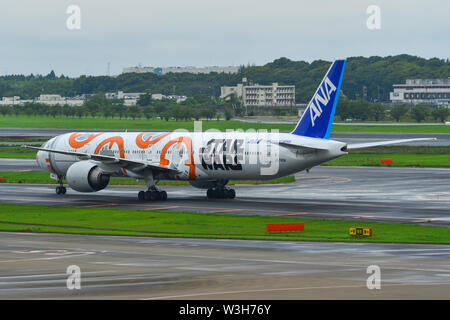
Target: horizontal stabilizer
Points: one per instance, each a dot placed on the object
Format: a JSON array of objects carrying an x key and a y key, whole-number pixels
[{"x": 384, "y": 143}]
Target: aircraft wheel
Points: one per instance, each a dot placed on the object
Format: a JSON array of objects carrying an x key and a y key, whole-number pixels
[
  {"x": 148, "y": 195},
  {"x": 154, "y": 195},
  {"x": 141, "y": 195},
  {"x": 163, "y": 195},
  {"x": 231, "y": 194},
  {"x": 60, "y": 190}
]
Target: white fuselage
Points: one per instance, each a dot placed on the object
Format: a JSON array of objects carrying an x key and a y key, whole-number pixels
[{"x": 196, "y": 155}]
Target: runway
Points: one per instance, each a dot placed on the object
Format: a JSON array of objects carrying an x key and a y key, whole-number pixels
[
  {"x": 34, "y": 266},
  {"x": 8, "y": 164},
  {"x": 414, "y": 195}
]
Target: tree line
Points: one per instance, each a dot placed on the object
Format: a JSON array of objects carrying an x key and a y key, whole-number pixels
[
  {"x": 209, "y": 107},
  {"x": 362, "y": 110},
  {"x": 365, "y": 78},
  {"x": 197, "y": 107}
]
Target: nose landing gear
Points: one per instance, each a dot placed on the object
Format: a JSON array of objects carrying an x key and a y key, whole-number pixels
[{"x": 60, "y": 189}]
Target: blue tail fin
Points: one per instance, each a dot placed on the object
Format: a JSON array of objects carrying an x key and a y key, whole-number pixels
[{"x": 318, "y": 118}]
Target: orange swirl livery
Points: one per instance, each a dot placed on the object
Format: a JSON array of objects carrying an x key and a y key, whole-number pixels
[
  {"x": 221, "y": 156},
  {"x": 113, "y": 140},
  {"x": 144, "y": 144},
  {"x": 74, "y": 143},
  {"x": 188, "y": 143}
]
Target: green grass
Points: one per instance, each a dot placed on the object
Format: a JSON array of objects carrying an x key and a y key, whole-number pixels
[
  {"x": 44, "y": 178},
  {"x": 17, "y": 152},
  {"x": 393, "y": 129},
  {"x": 22, "y": 121},
  {"x": 24, "y": 139},
  {"x": 85, "y": 220},
  {"x": 402, "y": 156}
]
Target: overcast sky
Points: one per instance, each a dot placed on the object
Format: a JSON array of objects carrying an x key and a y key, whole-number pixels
[{"x": 35, "y": 38}]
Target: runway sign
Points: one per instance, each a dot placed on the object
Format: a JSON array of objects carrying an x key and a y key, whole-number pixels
[
  {"x": 386, "y": 161},
  {"x": 360, "y": 232},
  {"x": 286, "y": 226}
]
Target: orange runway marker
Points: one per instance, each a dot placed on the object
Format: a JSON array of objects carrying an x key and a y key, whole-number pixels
[{"x": 296, "y": 226}]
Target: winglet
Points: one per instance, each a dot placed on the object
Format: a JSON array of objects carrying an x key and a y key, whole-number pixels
[{"x": 317, "y": 119}]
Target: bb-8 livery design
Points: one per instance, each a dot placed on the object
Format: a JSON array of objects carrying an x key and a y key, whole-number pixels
[{"x": 208, "y": 160}]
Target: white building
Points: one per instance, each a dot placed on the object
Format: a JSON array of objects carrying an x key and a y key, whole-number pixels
[
  {"x": 189, "y": 69},
  {"x": 56, "y": 99},
  {"x": 160, "y": 96},
  {"x": 422, "y": 91},
  {"x": 49, "y": 99},
  {"x": 197, "y": 70},
  {"x": 10, "y": 101},
  {"x": 129, "y": 98},
  {"x": 138, "y": 70},
  {"x": 257, "y": 95}
]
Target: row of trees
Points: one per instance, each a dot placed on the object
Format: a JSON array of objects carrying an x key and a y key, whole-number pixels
[
  {"x": 354, "y": 110},
  {"x": 99, "y": 106},
  {"x": 365, "y": 78},
  {"x": 363, "y": 110}
]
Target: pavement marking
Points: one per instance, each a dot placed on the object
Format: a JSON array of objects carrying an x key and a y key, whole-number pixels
[
  {"x": 102, "y": 205},
  {"x": 162, "y": 208},
  {"x": 226, "y": 210},
  {"x": 284, "y": 289}
]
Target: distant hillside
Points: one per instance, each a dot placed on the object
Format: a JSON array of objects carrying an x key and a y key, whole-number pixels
[{"x": 377, "y": 74}]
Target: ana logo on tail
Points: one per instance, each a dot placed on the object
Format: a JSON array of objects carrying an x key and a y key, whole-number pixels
[
  {"x": 317, "y": 119},
  {"x": 322, "y": 99}
]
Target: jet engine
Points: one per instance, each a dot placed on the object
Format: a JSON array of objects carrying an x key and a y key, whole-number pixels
[{"x": 86, "y": 176}]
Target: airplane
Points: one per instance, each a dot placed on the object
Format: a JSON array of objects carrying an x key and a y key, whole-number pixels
[{"x": 207, "y": 160}]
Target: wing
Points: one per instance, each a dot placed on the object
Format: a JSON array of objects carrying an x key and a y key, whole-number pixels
[
  {"x": 133, "y": 165},
  {"x": 383, "y": 143}
]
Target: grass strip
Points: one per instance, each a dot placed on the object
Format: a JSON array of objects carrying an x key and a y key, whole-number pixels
[
  {"x": 86, "y": 123},
  {"x": 402, "y": 156},
  {"x": 44, "y": 178},
  {"x": 157, "y": 223}
]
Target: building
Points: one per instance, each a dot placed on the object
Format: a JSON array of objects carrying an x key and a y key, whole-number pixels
[
  {"x": 48, "y": 99},
  {"x": 257, "y": 95},
  {"x": 160, "y": 96},
  {"x": 422, "y": 91},
  {"x": 194, "y": 70},
  {"x": 138, "y": 69},
  {"x": 56, "y": 99},
  {"x": 10, "y": 101},
  {"x": 129, "y": 98}
]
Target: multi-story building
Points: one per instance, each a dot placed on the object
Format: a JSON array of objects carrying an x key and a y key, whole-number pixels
[
  {"x": 261, "y": 96},
  {"x": 195, "y": 70},
  {"x": 138, "y": 69},
  {"x": 10, "y": 101},
  {"x": 56, "y": 99},
  {"x": 422, "y": 91},
  {"x": 129, "y": 98}
]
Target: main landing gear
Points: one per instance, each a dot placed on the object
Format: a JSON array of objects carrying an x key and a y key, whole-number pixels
[
  {"x": 221, "y": 193},
  {"x": 60, "y": 189},
  {"x": 152, "y": 193}
]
